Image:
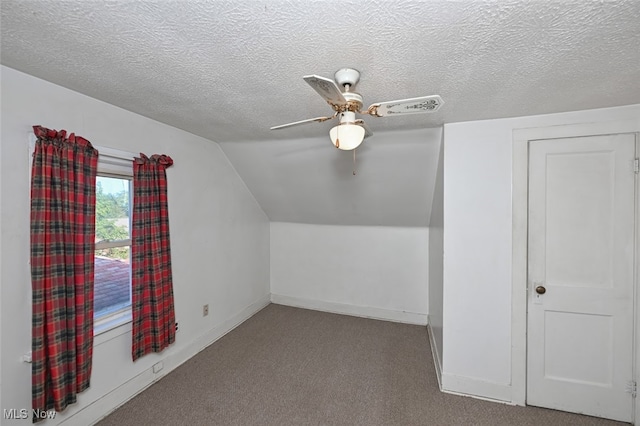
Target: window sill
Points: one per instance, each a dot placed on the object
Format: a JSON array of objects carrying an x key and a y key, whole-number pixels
[{"x": 111, "y": 327}]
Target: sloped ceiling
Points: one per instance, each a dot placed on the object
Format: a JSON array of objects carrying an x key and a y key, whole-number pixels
[
  {"x": 309, "y": 180},
  {"x": 229, "y": 70}
]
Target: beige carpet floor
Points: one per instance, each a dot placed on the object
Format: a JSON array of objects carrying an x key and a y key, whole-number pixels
[{"x": 289, "y": 366}]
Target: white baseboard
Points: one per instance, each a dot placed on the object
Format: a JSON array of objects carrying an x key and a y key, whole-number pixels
[
  {"x": 353, "y": 310},
  {"x": 100, "y": 408},
  {"x": 479, "y": 389},
  {"x": 436, "y": 358}
]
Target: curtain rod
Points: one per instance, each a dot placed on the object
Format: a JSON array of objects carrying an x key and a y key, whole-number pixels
[{"x": 102, "y": 150}]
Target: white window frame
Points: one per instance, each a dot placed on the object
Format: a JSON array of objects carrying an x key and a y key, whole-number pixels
[{"x": 116, "y": 164}]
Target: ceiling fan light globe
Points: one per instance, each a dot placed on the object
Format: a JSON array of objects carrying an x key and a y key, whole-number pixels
[{"x": 350, "y": 136}]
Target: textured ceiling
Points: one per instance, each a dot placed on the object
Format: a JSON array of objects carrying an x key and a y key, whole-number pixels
[{"x": 228, "y": 70}]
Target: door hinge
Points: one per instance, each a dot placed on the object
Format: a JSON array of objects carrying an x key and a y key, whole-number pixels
[
  {"x": 632, "y": 388},
  {"x": 636, "y": 165}
]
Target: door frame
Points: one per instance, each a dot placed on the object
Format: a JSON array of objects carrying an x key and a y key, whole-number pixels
[{"x": 519, "y": 200}]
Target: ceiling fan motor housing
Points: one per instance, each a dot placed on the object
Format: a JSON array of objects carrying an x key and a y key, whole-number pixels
[{"x": 354, "y": 101}]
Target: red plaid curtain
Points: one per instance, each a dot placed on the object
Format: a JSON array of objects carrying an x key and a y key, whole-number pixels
[
  {"x": 151, "y": 283},
  {"x": 63, "y": 195}
]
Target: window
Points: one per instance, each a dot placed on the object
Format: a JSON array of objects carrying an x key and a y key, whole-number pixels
[
  {"x": 112, "y": 283},
  {"x": 112, "y": 263}
]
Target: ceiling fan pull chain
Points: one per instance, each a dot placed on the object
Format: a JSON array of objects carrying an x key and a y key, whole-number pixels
[{"x": 354, "y": 161}]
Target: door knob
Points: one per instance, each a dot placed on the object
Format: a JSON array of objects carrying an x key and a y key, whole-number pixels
[{"x": 541, "y": 290}]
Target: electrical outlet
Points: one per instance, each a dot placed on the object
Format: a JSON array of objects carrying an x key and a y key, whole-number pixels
[{"x": 205, "y": 310}]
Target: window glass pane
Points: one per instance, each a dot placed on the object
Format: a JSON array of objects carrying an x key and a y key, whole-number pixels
[
  {"x": 112, "y": 209},
  {"x": 112, "y": 284}
]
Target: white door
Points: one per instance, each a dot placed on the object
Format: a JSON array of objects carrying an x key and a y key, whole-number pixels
[{"x": 581, "y": 251}]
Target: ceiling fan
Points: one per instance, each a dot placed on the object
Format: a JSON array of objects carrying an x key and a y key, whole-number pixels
[{"x": 350, "y": 132}]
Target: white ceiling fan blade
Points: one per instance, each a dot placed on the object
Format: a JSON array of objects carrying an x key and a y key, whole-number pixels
[
  {"x": 406, "y": 106},
  {"x": 296, "y": 123},
  {"x": 367, "y": 130},
  {"x": 326, "y": 88}
]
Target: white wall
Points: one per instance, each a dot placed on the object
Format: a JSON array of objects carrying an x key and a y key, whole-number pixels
[
  {"x": 219, "y": 241},
  {"x": 478, "y": 247},
  {"x": 378, "y": 272},
  {"x": 436, "y": 228}
]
